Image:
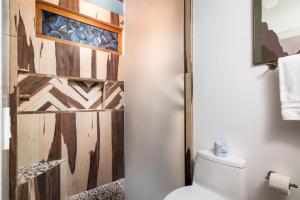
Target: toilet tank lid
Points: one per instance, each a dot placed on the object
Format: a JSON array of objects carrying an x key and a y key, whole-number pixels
[{"x": 230, "y": 160}]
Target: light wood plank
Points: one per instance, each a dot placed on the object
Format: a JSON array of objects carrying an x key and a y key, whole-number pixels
[
  {"x": 189, "y": 92},
  {"x": 46, "y": 131},
  {"x": 26, "y": 11},
  {"x": 55, "y": 2},
  {"x": 105, "y": 170},
  {"x": 13, "y": 11},
  {"x": 47, "y": 57},
  {"x": 121, "y": 69},
  {"x": 94, "y": 11},
  {"x": 101, "y": 64},
  {"x": 85, "y": 62},
  {"x": 13, "y": 65},
  {"x": 28, "y": 140},
  {"x": 86, "y": 141}
]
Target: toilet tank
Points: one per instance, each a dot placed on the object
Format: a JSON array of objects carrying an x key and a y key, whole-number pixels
[{"x": 224, "y": 176}]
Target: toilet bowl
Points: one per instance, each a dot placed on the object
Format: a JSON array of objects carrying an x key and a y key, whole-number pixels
[
  {"x": 194, "y": 192},
  {"x": 215, "y": 178}
]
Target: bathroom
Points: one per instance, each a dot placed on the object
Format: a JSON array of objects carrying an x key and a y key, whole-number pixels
[{"x": 187, "y": 77}]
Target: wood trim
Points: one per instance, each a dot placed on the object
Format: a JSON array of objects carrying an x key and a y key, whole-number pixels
[
  {"x": 188, "y": 29},
  {"x": 70, "y": 111},
  {"x": 38, "y": 17},
  {"x": 13, "y": 147},
  {"x": 41, "y": 5},
  {"x": 72, "y": 78},
  {"x": 77, "y": 44},
  {"x": 188, "y": 92}
]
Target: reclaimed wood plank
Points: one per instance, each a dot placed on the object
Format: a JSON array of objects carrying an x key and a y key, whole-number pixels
[{"x": 118, "y": 171}]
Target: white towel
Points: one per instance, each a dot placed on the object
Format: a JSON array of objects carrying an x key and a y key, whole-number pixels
[{"x": 289, "y": 80}]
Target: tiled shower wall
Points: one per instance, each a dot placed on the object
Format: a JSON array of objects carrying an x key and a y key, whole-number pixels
[{"x": 57, "y": 123}]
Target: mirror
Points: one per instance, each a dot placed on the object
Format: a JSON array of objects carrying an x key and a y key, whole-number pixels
[{"x": 276, "y": 29}]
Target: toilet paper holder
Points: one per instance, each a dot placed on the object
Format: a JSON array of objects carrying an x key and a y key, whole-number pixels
[{"x": 291, "y": 184}]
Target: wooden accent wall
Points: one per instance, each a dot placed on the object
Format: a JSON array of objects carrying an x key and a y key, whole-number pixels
[{"x": 67, "y": 102}]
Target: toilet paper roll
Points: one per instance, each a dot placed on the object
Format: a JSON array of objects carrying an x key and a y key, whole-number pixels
[{"x": 280, "y": 182}]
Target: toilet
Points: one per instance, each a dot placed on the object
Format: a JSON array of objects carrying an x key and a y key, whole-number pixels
[{"x": 215, "y": 178}]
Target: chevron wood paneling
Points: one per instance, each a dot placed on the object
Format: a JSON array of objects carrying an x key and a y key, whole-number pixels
[
  {"x": 114, "y": 95},
  {"x": 59, "y": 94}
]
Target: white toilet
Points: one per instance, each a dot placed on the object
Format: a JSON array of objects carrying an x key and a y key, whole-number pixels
[{"x": 215, "y": 179}]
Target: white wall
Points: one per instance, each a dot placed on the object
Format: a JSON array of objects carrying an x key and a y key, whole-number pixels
[
  {"x": 235, "y": 100},
  {"x": 154, "y": 113}
]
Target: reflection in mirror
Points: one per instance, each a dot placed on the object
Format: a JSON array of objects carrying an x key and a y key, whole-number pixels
[{"x": 276, "y": 29}]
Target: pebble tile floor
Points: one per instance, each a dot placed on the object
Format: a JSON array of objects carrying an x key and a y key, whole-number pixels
[{"x": 111, "y": 191}]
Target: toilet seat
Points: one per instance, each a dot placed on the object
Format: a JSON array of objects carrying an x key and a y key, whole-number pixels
[{"x": 194, "y": 192}]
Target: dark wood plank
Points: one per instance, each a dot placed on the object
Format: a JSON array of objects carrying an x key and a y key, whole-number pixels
[
  {"x": 45, "y": 106},
  {"x": 41, "y": 186},
  {"x": 112, "y": 67},
  {"x": 188, "y": 172},
  {"x": 94, "y": 64},
  {"x": 94, "y": 160},
  {"x": 53, "y": 184},
  {"x": 114, "y": 102},
  {"x": 68, "y": 57},
  {"x": 32, "y": 85},
  {"x": 70, "y": 5},
  {"x": 117, "y": 122},
  {"x": 25, "y": 50},
  {"x": 110, "y": 88},
  {"x": 69, "y": 133},
  {"x": 113, "y": 59},
  {"x": 114, "y": 19},
  {"x": 55, "y": 149},
  {"x": 13, "y": 145},
  {"x": 23, "y": 192},
  {"x": 67, "y": 60}
]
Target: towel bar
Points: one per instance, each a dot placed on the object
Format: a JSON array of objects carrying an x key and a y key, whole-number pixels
[{"x": 272, "y": 65}]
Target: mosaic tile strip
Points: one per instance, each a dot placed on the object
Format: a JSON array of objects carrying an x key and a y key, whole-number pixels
[
  {"x": 111, "y": 191},
  {"x": 27, "y": 173}
]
